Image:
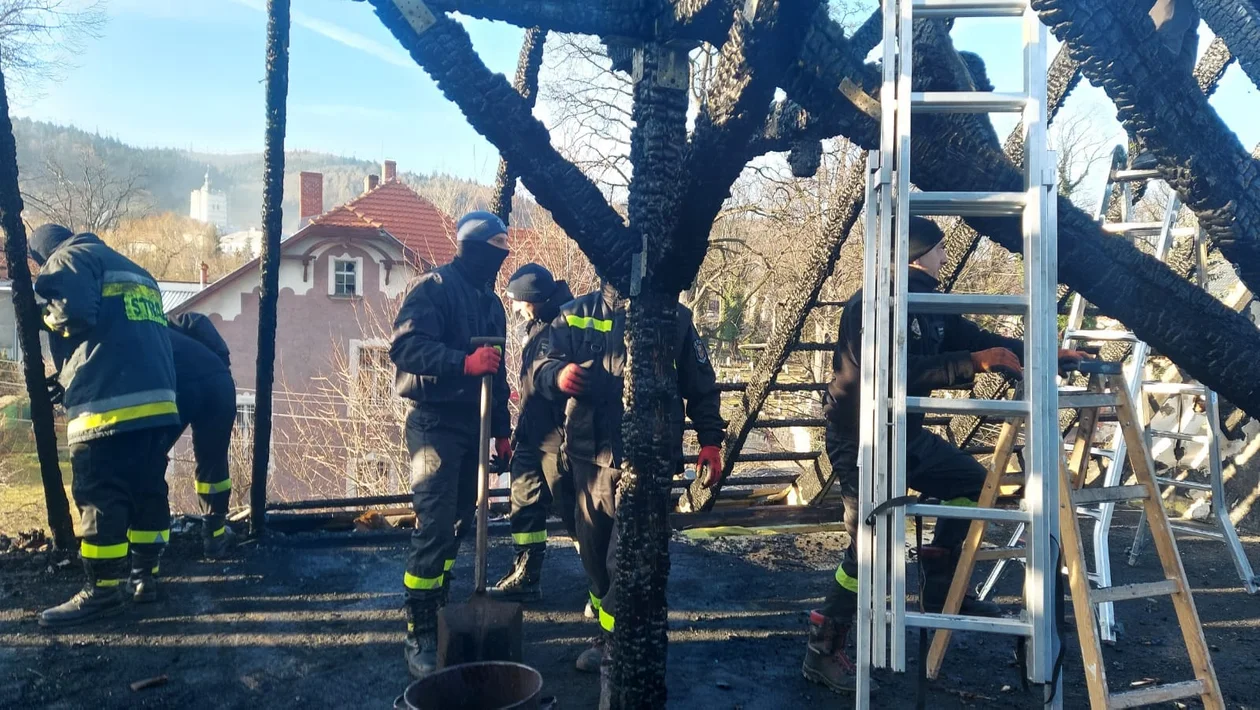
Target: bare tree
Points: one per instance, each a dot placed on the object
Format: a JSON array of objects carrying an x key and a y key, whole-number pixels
[
  {"x": 89, "y": 194},
  {"x": 1081, "y": 145},
  {"x": 39, "y": 39},
  {"x": 173, "y": 247}
]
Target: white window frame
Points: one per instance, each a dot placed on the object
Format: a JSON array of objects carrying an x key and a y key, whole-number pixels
[
  {"x": 356, "y": 357},
  {"x": 332, "y": 275}
]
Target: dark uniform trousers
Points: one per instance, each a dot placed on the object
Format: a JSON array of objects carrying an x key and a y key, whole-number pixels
[
  {"x": 596, "y": 490},
  {"x": 934, "y": 467},
  {"x": 539, "y": 478},
  {"x": 120, "y": 489},
  {"x": 211, "y": 416},
  {"x": 443, "y": 491}
]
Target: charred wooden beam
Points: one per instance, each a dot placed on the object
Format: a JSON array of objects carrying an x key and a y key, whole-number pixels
[
  {"x": 1159, "y": 101},
  {"x": 604, "y": 18},
  {"x": 526, "y": 84},
  {"x": 442, "y": 47},
  {"x": 750, "y": 63},
  {"x": 1212, "y": 65},
  {"x": 1237, "y": 24},
  {"x": 651, "y": 385},
  {"x": 27, "y": 313},
  {"x": 277, "y": 92}
]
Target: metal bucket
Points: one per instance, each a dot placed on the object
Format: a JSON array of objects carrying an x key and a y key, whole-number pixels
[{"x": 492, "y": 685}]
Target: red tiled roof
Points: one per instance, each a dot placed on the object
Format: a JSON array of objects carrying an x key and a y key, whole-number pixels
[{"x": 397, "y": 209}]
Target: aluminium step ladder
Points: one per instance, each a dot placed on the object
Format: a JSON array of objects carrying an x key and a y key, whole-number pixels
[
  {"x": 882, "y": 616},
  {"x": 1108, "y": 389}
]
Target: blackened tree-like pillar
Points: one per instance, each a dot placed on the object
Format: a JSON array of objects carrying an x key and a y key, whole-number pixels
[
  {"x": 526, "y": 84},
  {"x": 59, "y": 521},
  {"x": 277, "y": 88},
  {"x": 1237, "y": 24}
]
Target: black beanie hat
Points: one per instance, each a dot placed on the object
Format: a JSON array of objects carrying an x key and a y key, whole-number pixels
[
  {"x": 45, "y": 240},
  {"x": 924, "y": 236},
  {"x": 532, "y": 283}
]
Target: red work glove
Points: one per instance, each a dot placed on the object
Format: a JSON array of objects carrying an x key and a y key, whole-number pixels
[
  {"x": 1070, "y": 360},
  {"x": 502, "y": 452},
  {"x": 999, "y": 360},
  {"x": 485, "y": 360},
  {"x": 572, "y": 380},
  {"x": 709, "y": 465}
]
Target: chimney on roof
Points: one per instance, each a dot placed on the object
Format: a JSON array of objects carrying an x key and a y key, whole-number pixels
[
  {"x": 205, "y": 274},
  {"x": 389, "y": 171},
  {"x": 310, "y": 197},
  {"x": 370, "y": 182}
]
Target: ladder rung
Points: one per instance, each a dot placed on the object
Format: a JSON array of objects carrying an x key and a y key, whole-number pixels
[
  {"x": 1164, "y": 434},
  {"x": 968, "y": 204},
  {"x": 1108, "y": 494},
  {"x": 945, "y": 9},
  {"x": 1143, "y": 590},
  {"x": 1133, "y": 229},
  {"x": 1193, "y": 485},
  {"x": 967, "y": 102},
  {"x": 1086, "y": 400},
  {"x": 1161, "y": 387},
  {"x": 1197, "y": 531},
  {"x": 1156, "y": 694},
  {"x": 993, "y": 515},
  {"x": 1093, "y": 451},
  {"x": 1134, "y": 175},
  {"x": 958, "y": 303},
  {"x": 958, "y": 622},
  {"x": 1109, "y": 336},
  {"x": 814, "y": 347},
  {"x": 1000, "y": 553},
  {"x": 973, "y": 407}
]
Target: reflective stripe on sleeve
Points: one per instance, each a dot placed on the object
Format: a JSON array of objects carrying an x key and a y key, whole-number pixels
[
  {"x": 220, "y": 532},
  {"x": 603, "y": 326},
  {"x": 206, "y": 489},
  {"x": 410, "y": 581},
  {"x": 148, "y": 537},
  {"x": 844, "y": 580},
  {"x": 102, "y": 552},
  {"x": 89, "y": 422},
  {"x": 529, "y": 538}
]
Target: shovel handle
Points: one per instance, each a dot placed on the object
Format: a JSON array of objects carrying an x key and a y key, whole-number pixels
[{"x": 483, "y": 471}]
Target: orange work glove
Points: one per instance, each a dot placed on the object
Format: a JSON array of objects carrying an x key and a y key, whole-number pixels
[
  {"x": 999, "y": 360},
  {"x": 572, "y": 380},
  {"x": 485, "y": 360},
  {"x": 709, "y": 465},
  {"x": 503, "y": 452}
]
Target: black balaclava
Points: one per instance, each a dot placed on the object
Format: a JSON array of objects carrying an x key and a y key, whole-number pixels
[{"x": 480, "y": 261}]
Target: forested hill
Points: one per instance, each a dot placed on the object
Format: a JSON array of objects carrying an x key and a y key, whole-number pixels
[{"x": 166, "y": 176}]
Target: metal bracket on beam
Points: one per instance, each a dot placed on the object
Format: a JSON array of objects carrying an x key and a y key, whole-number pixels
[
  {"x": 417, "y": 14},
  {"x": 673, "y": 66}
]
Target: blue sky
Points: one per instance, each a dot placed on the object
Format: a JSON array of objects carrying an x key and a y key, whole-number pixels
[{"x": 189, "y": 75}]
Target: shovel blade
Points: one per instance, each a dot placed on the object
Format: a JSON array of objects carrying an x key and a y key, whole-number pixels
[{"x": 480, "y": 629}]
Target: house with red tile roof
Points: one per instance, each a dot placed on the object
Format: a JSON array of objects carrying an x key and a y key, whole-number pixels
[{"x": 342, "y": 275}]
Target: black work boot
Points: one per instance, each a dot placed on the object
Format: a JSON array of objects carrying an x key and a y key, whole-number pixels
[
  {"x": 217, "y": 539},
  {"x": 591, "y": 660},
  {"x": 524, "y": 582},
  {"x": 420, "y": 646},
  {"x": 939, "y": 564},
  {"x": 825, "y": 659},
  {"x": 142, "y": 584},
  {"x": 100, "y": 597}
]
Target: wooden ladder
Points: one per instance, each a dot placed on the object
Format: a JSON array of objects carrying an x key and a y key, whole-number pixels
[{"x": 1106, "y": 389}]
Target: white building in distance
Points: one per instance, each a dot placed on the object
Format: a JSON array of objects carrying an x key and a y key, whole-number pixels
[{"x": 209, "y": 207}]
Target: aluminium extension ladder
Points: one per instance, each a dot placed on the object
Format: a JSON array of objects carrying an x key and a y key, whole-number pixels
[
  {"x": 1107, "y": 388},
  {"x": 882, "y": 616}
]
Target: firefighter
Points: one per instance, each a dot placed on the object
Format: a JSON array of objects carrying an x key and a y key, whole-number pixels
[
  {"x": 585, "y": 366},
  {"x": 945, "y": 351},
  {"x": 206, "y": 395},
  {"x": 538, "y": 473},
  {"x": 116, "y": 379},
  {"x": 440, "y": 372}
]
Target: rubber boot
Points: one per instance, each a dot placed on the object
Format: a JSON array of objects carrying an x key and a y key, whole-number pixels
[
  {"x": 420, "y": 646},
  {"x": 826, "y": 662},
  {"x": 217, "y": 539},
  {"x": 142, "y": 584},
  {"x": 101, "y": 597},
  {"x": 938, "y": 570},
  {"x": 590, "y": 660},
  {"x": 524, "y": 582}
]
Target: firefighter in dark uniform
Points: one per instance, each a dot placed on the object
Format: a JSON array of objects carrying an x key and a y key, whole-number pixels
[
  {"x": 206, "y": 395},
  {"x": 116, "y": 380},
  {"x": 585, "y": 365},
  {"x": 538, "y": 473},
  {"x": 440, "y": 372},
  {"x": 946, "y": 352}
]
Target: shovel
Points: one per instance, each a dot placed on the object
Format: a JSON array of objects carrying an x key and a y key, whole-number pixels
[{"x": 480, "y": 629}]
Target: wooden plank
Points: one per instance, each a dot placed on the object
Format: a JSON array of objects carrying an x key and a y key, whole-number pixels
[
  {"x": 1001, "y": 553},
  {"x": 1078, "y": 582},
  {"x": 1003, "y": 450},
  {"x": 1128, "y": 592},
  {"x": 1157, "y": 694},
  {"x": 1166, "y": 546}
]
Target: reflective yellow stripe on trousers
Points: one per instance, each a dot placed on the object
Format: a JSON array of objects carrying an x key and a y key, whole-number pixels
[
  {"x": 606, "y": 620},
  {"x": 148, "y": 537},
  {"x": 206, "y": 489},
  {"x": 529, "y": 538},
  {"x": 102, "y": 552},
  {"x": 410, "y": 581}
]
